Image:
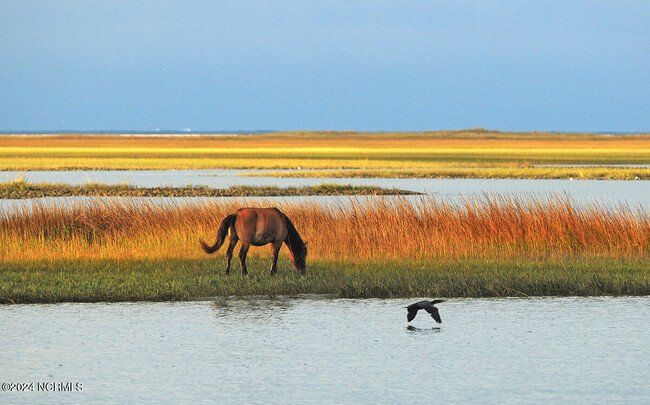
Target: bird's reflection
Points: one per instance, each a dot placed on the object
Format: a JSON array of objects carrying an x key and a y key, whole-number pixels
[{"x": 414, "y": 329}]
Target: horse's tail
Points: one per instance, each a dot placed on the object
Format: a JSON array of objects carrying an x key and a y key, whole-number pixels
[
  {"x": 221, "y": 234},
  {"x": 297, "y": 246}
]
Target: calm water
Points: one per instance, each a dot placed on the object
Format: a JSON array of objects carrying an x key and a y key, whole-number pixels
[
  {"x": 311, "y": 350},
  {"x": 634, "y": 193}
]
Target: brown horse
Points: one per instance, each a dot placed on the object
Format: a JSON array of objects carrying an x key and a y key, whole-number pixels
[{"x": 258, "y": 227}]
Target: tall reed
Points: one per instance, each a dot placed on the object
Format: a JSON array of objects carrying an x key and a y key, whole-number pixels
[{"x": 377, "y": 228}]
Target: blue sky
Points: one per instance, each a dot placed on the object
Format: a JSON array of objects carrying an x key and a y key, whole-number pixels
[{"x": 325, "y": 65}]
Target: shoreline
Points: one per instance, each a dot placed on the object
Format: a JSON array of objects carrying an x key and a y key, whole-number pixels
[{"x": 112, "y": 280}]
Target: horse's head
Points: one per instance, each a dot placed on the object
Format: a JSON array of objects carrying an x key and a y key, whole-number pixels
[{"x": 300, "y": 258}]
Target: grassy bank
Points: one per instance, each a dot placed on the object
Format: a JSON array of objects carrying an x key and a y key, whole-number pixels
[
  {"x": 313, "y": 150},
  {"x": 75, "y": 280},
  {"x": 487, "y": 246},
  {"x": 22, "y": 189}
]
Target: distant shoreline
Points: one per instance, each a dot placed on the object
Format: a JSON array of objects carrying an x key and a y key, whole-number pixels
[
  {"x": 476, "y": 153},
  {"x": 137, "y": 133},
  {"x": 188, "y": 132}
]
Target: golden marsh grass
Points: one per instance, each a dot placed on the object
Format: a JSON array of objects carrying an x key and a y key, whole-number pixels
[
  {"x": 380, "y": 228},
  {"x": 465, "y": 149},
  {"x": 125, "y": 250}
]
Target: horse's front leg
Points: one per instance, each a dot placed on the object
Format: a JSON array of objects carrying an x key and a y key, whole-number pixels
[
  {"x": 242, "y": 256},
  {"x": 275, "y": 250}
]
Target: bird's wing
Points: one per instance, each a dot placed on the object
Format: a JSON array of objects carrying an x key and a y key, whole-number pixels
[
  {"x": 435, "y": 315},
  {"x": 412, "y": 312},
  {"x": 433, "y": 311}
]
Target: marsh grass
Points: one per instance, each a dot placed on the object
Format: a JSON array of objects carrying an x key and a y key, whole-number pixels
[
  {"x": 314, "y": 150},
  {"x": 20, "y": 189},
  {"x": 485, "y": 226},
  {"x": 523, "y": 172},
  {"x": 115, "y": 250}
]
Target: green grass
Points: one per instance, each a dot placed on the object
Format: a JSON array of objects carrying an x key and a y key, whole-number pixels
[
  {"x": 95, "y": 280},
  {"x": 19, "y": 189}
]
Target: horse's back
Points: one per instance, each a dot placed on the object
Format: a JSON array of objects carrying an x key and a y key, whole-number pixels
[
  {"x": 256, "y": 210},
  {"x": 266, "y": 215},
  {"x": 260, "y": 225}
]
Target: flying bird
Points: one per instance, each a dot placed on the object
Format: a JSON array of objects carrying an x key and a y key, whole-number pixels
[{"x": 427, "y": 306}]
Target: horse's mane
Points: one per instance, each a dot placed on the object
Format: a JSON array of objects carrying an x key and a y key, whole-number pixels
[{"x": 298, "y": 247}]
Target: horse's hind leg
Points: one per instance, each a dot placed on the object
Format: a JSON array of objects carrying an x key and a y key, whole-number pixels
[
  {"x": 275, "y": 250},
  {"x": 242, "y": 256},
  {"x": 233, "y": 241}
]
